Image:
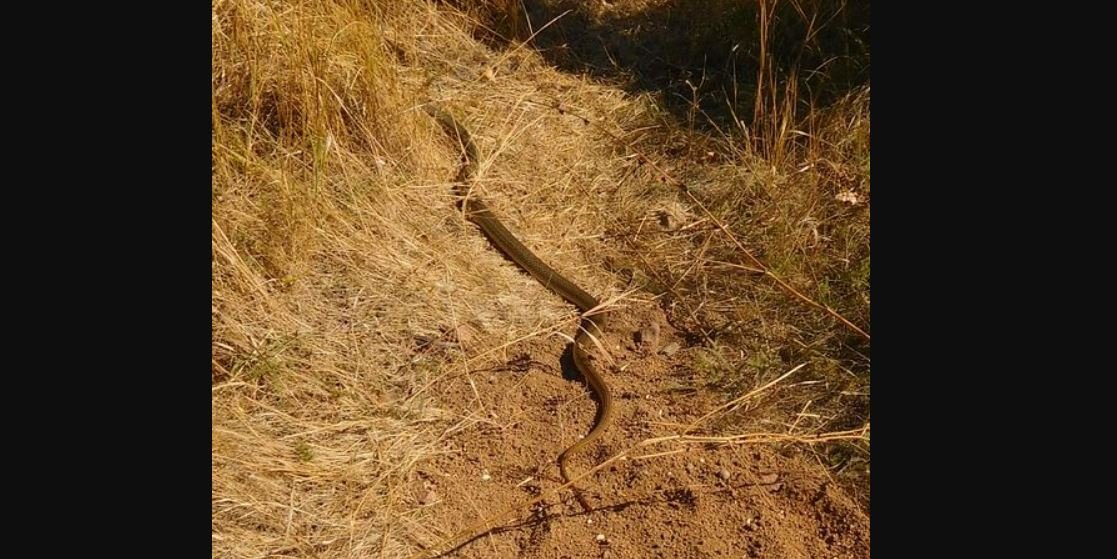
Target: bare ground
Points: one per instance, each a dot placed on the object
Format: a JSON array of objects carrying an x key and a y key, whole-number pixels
[{"x": 702, "y": 500}]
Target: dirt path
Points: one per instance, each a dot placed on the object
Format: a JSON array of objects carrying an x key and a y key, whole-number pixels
[{"x": 729, "y": 501}]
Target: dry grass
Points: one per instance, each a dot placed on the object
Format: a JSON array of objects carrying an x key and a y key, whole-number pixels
[{"x": 345, "y": 284}]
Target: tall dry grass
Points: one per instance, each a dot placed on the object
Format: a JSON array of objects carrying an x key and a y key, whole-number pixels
[{"x": 317, "y": 420}]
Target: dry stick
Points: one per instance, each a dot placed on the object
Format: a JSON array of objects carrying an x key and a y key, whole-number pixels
[
  {"x": 858, "y": 434},
  {"x": 764, "y": 268},
  {"x": 686, "y": 190},
  {"x": 736, "y": 401}
]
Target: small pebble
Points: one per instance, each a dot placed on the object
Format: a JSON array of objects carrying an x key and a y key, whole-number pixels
[
  {"x": 485, "y": 475},
  {"x": 767, "y": 479},
  {"x": 429, "y": 498},
  {"x": 467, "y": 334},
  {"x": 648, "y": 335},
  {"x": 670, "y": 349},
  {"x": 600, "y": 538},
  {"x": 724, "y": 474}
]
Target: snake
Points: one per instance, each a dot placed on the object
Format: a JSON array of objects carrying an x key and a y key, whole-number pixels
[{"x": 591, "y": 325}]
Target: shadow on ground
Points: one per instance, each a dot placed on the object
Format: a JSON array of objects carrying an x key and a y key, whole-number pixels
[{"x": 703, "y": 58}]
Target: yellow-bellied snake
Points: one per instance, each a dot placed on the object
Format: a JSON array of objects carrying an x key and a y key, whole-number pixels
[{"x": 477, "y": 212}]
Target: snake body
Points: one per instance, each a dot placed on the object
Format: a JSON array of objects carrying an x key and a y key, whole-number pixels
[{"x": 479, "y": 213}]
